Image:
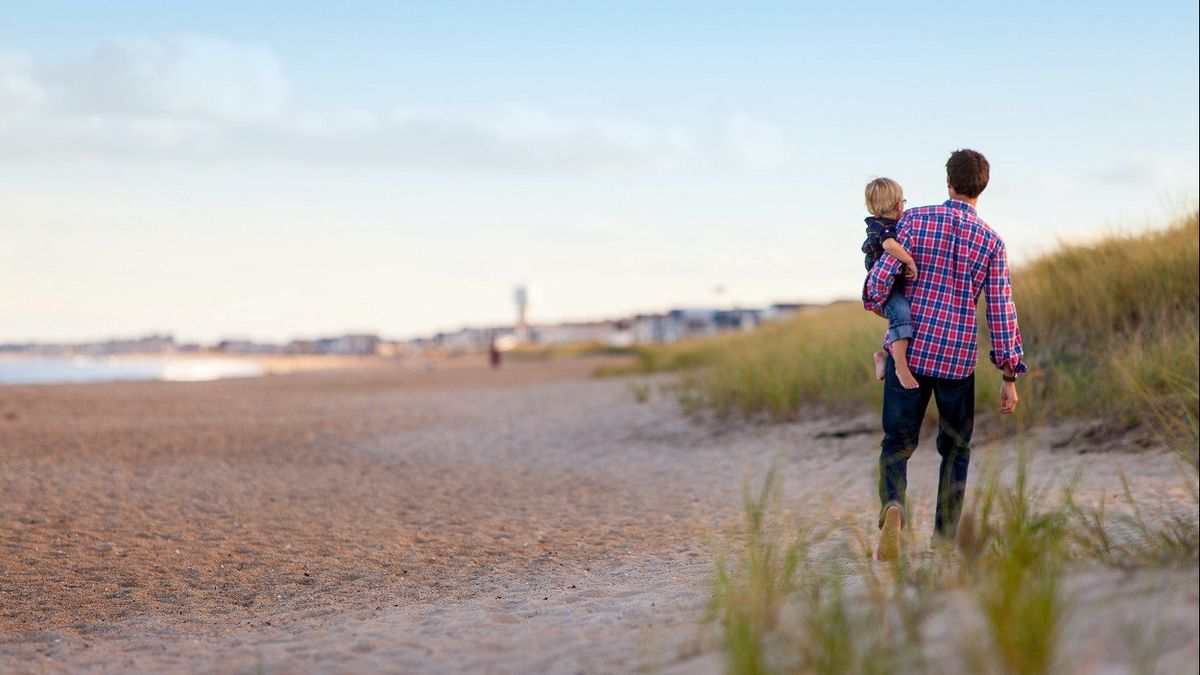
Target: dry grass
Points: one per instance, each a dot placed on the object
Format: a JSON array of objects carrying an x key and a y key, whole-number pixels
[
  {"x": 1000, "y": 593},
  {"x": 1110, "y": 328}
]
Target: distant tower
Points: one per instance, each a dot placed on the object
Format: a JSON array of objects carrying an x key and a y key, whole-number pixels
[{"x": 521, "y": 296}]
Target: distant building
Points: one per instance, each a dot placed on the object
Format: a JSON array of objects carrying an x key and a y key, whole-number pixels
[
  {"x": 783, "y": 310},
  {"x": 302, "y": 347},
  {"x": 676, "y": 324},
  {"x": 650, "y": 328},
  {"x": 150, "y": 344},
  {"x": 737, "y": 319},
  {"x": 690, "y": 323},
  {"x": 234, "y": 346},
  {"x": 466, "y": 340},
  {"x": 20, "y": 347},
  {"x": 248, "y": 347},
  {"x": 358, "y": 345},
  {"x": 604, "y": 332},
  {"x": 345, "y": 345}
]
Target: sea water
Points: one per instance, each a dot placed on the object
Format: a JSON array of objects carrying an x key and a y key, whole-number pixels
[{"x": 106, "y": 369}]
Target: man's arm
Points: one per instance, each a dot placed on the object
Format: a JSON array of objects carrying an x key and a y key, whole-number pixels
[{"x": 1007, "y": 353}]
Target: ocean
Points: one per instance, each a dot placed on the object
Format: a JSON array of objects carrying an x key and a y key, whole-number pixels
[{"x": 18, "y": 370}]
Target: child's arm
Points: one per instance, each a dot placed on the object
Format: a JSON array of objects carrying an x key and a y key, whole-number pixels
[
  {"x": 894, "y": 249},
  {"x": 897, "y": 251}
]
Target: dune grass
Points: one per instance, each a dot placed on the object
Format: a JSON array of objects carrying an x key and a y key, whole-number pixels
[
  {"x": 749, "y": 599},
  {"x": 533, "y": 352},
  {"x": 996, "y": 602},
  {"x": 1015, "y": 567},
  {"x": 1110, "y": 329}
]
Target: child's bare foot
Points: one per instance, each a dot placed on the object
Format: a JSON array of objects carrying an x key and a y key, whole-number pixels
[
  {"x": 880, "y": 364},
  {"x": 906, "y": 377}
]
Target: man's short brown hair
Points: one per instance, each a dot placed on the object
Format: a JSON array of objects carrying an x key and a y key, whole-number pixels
[{"x": 967, "y": 171}]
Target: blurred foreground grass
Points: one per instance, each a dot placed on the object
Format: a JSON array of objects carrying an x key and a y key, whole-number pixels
[
  {"x": 805, "y": 596},
  {"x": 1110, "y": 330}
]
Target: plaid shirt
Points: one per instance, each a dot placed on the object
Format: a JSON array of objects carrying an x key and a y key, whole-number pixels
[{"x": 958, "y": 256}]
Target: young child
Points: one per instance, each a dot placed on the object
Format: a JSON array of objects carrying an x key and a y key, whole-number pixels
[{"x": 885, "y": 201}]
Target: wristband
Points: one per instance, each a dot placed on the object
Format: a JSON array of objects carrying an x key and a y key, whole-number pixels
[{"x": 1009, "y": 378}]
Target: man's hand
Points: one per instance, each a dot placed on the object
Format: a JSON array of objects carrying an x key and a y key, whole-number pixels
[
  {"x": 910, "y": 271},
  {"x": 1008, "y": 397}
]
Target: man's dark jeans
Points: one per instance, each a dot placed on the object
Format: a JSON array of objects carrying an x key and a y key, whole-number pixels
[{"x": 903, "y": 411}]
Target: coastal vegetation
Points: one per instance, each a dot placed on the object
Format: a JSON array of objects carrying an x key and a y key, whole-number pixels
[
  {"x": 1109, "y": 328},
  {"x": 801, "y": 594},
  {"x": 1110, "y": 331}
]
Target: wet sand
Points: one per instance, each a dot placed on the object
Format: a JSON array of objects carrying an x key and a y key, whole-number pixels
[{"x": 394, "y": 519}]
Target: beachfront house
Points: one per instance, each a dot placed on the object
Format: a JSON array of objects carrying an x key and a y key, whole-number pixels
[
  {"x": 602, "y": 332},
  {"x": 780, "y": 311}
]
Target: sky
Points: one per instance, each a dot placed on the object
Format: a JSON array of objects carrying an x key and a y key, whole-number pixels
[{"x": 276, "y": 170}]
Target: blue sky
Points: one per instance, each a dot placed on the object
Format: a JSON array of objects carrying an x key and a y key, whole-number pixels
[{"x": 285, "y": 169}]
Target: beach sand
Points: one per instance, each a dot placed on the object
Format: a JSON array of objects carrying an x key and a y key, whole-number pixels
[{"x": 405, "y": 519}]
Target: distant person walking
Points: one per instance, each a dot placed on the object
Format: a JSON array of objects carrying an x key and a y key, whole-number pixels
[
  {"x": 494, "y": 354},
  {"x": 959, "y": 257}
]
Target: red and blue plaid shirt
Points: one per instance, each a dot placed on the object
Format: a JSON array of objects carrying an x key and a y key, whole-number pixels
[{"x": 958, "y": 256}]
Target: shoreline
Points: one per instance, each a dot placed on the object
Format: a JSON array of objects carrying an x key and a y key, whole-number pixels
[{"x": 172, "y": 367}]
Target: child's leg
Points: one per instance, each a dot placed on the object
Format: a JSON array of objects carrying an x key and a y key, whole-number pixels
[
  {"x": 880, "y": 364},
  {"x": 900, "y": 355},
  {"x": 900, "y": 330}
]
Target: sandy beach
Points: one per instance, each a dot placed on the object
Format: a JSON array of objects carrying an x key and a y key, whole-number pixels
[{"x": 400, "y": 519}]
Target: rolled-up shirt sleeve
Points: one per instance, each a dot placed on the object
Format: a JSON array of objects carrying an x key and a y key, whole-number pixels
[{"x": 1002, "y": 314}]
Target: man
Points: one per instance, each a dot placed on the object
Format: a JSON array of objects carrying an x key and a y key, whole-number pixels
[{"x": 958, "y": 257}]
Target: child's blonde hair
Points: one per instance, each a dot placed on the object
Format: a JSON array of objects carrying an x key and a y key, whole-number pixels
[{"x": 882, "y": 195}]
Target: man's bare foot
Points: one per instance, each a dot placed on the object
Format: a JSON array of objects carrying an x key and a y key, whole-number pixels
[
  {"x": 889, "y": 534},
  {"x": 880, "y": 364},
  {"x": 906, "y": 378}
]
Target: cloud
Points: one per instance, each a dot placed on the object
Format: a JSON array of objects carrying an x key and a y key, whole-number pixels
[
  {"x": 197, "y": 99},
  {"x": 509, "y": 138},
  {"x": 180, "y": 76},
  {"x": 19, "y": 88}
]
